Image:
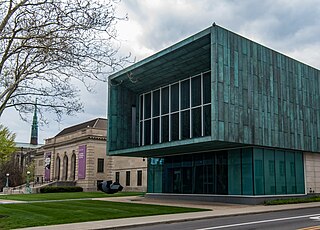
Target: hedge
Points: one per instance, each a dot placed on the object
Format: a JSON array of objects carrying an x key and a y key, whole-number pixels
[
  {"x": 293, "y": 200},
  {"x": 49, "y": 189}
]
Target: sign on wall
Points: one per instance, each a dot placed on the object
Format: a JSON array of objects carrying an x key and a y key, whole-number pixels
[
  {"x": 47, "y": 163},
  {"x": 82, "y": 161}
]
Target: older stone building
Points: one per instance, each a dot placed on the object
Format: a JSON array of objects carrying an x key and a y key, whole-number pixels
[{"x": 78, "y": 155}]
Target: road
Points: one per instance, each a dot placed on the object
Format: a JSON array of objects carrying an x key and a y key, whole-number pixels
[{"x": 306, "y": 219}]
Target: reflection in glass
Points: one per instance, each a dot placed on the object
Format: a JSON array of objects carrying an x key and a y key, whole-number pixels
[
  {"x": 185, "y": 124},
  {"x": 246, "y": 171},
  {"x": 141, "y": 107},
  {"x": 185, "y": 94},
  {"x": 175, "y": 97},
  {"x": 156, "y": 103},
  {"x": 187, "y": 103},
  {"x": 196, "y": 91},
  {"x": 147, "y": 106},
  {"x": 290, "y": 172},
  {"x": 175, "y": 126},
  {"x": 196, "y": 122},
  {"x": 141, "y": 132},
  {"x": 155, "y": 130},
  {"x": 206, "y": 88},
  {"x": 207, "y": 120},
  {"x": 165, "y": 100},
  {"x": 147, "y": 132},
  {"x": 269, "y": 172},
  {"x": 165, "y": 128},
  {"x": 281, "y": 175}
]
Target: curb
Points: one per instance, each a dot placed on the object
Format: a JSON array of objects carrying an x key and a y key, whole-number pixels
[
  {"x": 103, "y": 224},
  {"x": 199, "y": 218}
]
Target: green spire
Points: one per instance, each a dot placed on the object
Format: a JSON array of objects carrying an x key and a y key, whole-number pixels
[{"x": 34, "y": 128}]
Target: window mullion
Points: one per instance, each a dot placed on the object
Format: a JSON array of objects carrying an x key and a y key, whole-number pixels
[
  {"x": 160, "y": 113},
  {"x": 190, "y": 117},
  {"x": 180, "y": 126},
  {"x": 151, "y": 121},
  {"x": 143, "y": 119},
  {"x": 169, "y": 112},
  {"x": 140, "y": 141},
  {"x": 202, "y": 94}
]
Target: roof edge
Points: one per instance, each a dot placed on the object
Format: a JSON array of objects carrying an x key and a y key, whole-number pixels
[
  {"x": 61, "y": 133},
  {"x": 162, "y": 53}
]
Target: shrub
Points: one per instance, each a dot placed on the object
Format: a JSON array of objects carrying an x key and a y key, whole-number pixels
[
  {"x": 293, "y": 200},
  {"x": 49, "y": 189}
]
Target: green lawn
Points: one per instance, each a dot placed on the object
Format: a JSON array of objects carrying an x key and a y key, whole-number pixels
[
  {"x": 65, "y": 195},
  {"x": 49, "y": 213}
]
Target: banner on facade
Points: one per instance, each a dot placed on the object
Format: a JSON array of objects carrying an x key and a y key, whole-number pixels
[
  {"x": 82, "y": 161},
  {"x": 47, "y": 163}
]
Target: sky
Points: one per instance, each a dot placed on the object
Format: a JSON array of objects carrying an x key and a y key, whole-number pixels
[{"x": 291, "y": 27}]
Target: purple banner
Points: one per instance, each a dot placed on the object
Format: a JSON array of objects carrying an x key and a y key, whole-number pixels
[
  {"x": 82, "y": 162},
  {"x": 47, "y": 163}
]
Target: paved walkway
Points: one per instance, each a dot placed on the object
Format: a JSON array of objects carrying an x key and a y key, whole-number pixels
[
  {"x": 11, "y": 202},
  {"x": 216, "y": 210}
]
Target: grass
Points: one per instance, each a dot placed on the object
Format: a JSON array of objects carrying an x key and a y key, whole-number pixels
[
  {"x": 65, "y": 195},
  {"x": 293, "y": 200},
  {"x": 49, "y": 213}
]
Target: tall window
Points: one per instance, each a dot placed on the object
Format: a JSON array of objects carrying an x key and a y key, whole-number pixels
[
  {"x": 117, "y": 179},
  {"x": 139, "y": 178},
  {"x": 127, "y": 178},
  {"x": 177, "y": 111},
  {"x": 100, "y": 165}
]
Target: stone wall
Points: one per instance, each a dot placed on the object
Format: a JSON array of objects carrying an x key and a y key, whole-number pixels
[
  {"x": 312, "y": 172},
  {"x": 66, "y": 146},
  {"x": 133, "y": 165}
]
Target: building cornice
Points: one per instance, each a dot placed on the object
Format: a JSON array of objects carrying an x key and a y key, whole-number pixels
[{"x": 75, "y": 140}]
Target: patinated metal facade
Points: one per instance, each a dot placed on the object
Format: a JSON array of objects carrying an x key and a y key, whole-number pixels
[
  {"x": 259, "y": 97},
  {"x": 219, "y": 114}
]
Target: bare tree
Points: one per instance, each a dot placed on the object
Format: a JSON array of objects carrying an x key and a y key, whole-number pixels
[{"x": 47, "y": 44}]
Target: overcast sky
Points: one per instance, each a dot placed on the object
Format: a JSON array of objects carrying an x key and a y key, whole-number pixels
[{"x": 291, "y": 27}]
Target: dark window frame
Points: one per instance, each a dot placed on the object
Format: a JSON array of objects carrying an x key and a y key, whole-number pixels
[
  {"x": 139, "y": 178},
  {"x": 117, "y": 177},
  {"x": 100, "y": 165},
  {"x": 128, "y": 179}
]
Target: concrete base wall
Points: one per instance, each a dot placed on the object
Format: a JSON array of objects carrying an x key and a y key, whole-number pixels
[
  {"x": 122, "y": 165},
  {"x": 312, "y": 172},
  {"x": 221, "y": 198}
]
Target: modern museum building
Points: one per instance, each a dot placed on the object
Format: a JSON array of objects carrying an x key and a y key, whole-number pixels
[{"x": 219, "y": 114}]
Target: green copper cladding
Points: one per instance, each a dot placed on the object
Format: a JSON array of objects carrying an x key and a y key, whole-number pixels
[
  {"x": 262, "y": 97},
  {"x": 34, "y": 128},
  {"x": 259, "y": 97}
]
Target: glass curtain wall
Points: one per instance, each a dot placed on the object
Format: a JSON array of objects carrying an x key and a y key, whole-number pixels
[
  {"x": 189, "y": 174},
  {"x": 248, "y": 171},
  {"x": 178, "y": 111}
]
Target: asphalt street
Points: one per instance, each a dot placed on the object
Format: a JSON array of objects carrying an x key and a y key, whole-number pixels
[{"x": 306, "y": 219}]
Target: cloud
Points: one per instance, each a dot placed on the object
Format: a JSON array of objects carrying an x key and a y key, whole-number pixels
[
  {"x": 94, "y": 106},
  {"x": 284, "y": 25},
  {"x": 289, "y": 26}
]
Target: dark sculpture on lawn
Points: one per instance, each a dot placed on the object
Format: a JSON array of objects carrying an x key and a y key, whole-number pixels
[{"x": 109, "y": 187}]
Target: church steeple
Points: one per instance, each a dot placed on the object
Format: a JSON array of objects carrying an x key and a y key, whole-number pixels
[{"x": 34, "y": 128}]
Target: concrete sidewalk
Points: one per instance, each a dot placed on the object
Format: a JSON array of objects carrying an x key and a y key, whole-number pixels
[
  {"x": 216, "y": 210},
  {"x": 11, "y": 201}
]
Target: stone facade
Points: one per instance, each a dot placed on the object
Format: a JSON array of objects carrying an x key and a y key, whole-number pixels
[
  {"x": 128, "y": 169},
  {"x": 78, "y": 154},
  {"x": 39, "y": 166},
  {"x": 312, "y": 172}
]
